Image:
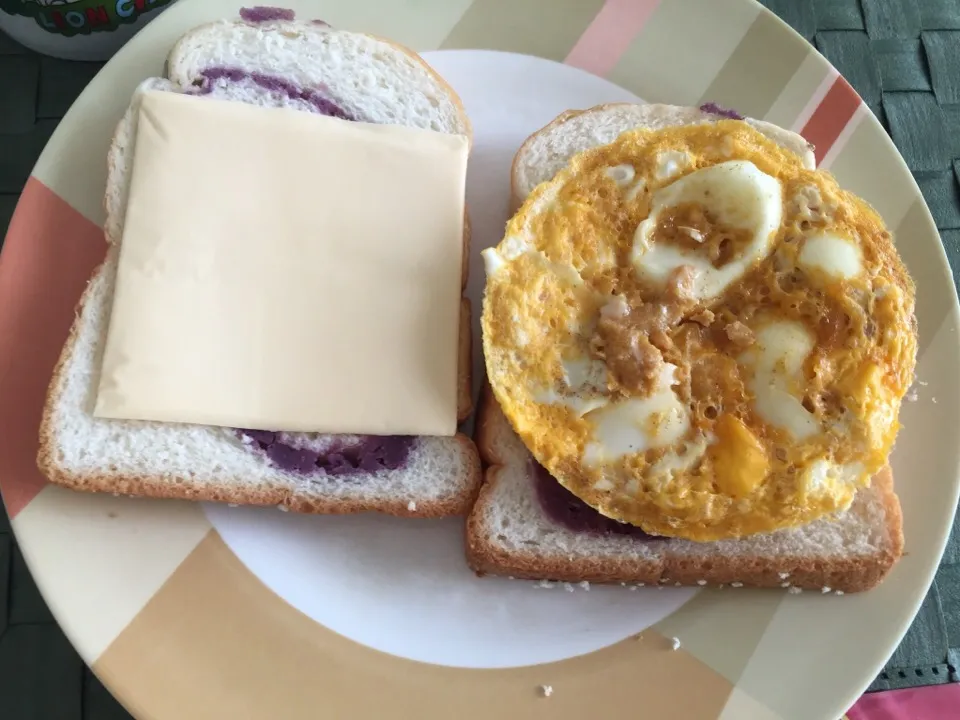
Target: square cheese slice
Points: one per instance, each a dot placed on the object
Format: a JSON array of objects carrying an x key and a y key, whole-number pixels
[{"x": 281, "y": 270}]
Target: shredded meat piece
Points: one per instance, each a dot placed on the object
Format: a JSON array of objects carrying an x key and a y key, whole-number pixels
[
  {"x": 632, "y": 340},
  {"x": 739, "y": 334},
  {"x": 680, "y": 286},
  {"x": 691, "y": 226},
  {"x": 630, "y": 356},
  {"x": 703, "y": 317}
]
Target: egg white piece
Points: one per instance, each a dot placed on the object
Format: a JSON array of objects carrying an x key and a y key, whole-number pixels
[
  {"x": 622, "y": 175},
  {"x": 493, "y": 261},
  {"x": 585, "y": 379},
  {"x": 777, "y": 362},
  {"x": 624, "y": 428},
  {"x": 739, "y": 195},
  {"x": 832, "y": 254},
  {"x": 670, "y": 163},
  {"x": 822, "y": 471}
]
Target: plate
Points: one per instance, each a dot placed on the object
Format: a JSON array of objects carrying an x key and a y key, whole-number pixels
[{"x": 190, "y": 611}]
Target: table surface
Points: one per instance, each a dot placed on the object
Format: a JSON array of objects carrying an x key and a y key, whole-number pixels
[{"x": 902, "y": 56}]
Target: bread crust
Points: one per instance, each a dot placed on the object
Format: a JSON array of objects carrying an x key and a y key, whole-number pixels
[
  {"x": 281, "y": 495},
  {"x": 852, "y": 574},
  {"x": 776, "y": 133}
]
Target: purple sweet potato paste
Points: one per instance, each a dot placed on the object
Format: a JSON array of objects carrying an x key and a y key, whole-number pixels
[
  {"x": 565, "y": 508},
  {"x": 262, "y": 13},
  {"x": 715, "y": 109},
  {"x": 271, "y": 83},
  {"x": 371, "y": 454}
]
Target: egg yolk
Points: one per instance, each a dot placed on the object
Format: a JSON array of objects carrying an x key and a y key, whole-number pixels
[{"x": 739, "y": 460}]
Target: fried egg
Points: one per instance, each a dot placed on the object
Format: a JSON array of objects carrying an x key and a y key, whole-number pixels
[{"x": 697, "y": 335}]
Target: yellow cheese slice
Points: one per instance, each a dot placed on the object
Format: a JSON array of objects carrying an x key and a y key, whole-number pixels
[{"x": 286, "y": 271}]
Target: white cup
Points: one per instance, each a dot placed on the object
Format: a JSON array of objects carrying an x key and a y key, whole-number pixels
[{"x": 77, "y": 29}]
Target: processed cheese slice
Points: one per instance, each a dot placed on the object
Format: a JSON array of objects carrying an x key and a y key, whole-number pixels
[{"x": 286, "y": 271}]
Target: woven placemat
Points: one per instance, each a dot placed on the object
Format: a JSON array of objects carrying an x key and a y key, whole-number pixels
[{"x": 902, "y": 56}]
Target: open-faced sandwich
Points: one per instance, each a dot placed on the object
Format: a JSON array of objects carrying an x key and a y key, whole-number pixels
[
  {"x": 697, "y": 346},
  {"x": 286, "y": 229}
]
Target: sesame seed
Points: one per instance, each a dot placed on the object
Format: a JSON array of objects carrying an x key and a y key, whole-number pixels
[
  {"x": 701, "y": 582},
  {"x": 283, "y": 508},
  {"x": 411, "y": 506},
  {"x": 784, "y": 575},
  {"x": 785, "y": 584},
  {"x": 585, "y": 585},
  {"x": 736, "y": 584},
  {"x": 639, "y": 584},
  {"x": 825, "y": 589},
  {"x": 546, "y": 690},
  {"x": 676, "y": 643},
  {"x": 568, "y": 587},
  {"x": 545, "y": 584},
  {"x": 795, "y": 590},
  {"x": 839, "y": 592},
  {"x": 677, "y": 583}
]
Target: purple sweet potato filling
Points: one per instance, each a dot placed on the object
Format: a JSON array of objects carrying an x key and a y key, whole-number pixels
[
  {"x": 371, "y": 454},
  {"x": 715, "y": 109},
  {"x": 271, "y": 83},
  {"x": 262, "y": 13},
  {"x": 566, "y": 509}
]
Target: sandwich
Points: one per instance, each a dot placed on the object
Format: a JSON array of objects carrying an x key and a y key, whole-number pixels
[
  {"x": 266, "y": 58},
  {"x": 696, "y": 348}
]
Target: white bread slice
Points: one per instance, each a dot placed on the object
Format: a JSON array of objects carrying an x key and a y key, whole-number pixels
[
  {"x": 548, "y": 150},
  {"x": 509, "y": 534},
  {"x": 441, "y": 475}
]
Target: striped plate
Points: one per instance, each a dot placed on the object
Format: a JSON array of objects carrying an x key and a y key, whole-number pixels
[{"x": 187, "y": 611}]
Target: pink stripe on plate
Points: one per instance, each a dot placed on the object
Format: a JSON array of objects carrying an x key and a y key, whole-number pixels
[
  {"x": 607, "y": 38},
  {"x": 819, "y": 94},
  {"x": 934, "y": 703}
]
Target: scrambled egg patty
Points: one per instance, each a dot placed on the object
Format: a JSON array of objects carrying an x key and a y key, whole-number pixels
[{"x": 696, "y": 335}]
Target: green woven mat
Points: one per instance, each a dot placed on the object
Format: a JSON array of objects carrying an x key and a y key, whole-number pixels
[{"x": 902, "y": 56}]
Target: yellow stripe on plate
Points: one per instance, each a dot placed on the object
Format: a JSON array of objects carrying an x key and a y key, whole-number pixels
[
  {"x": 661, "y": 65},
  {"x": 722, "y": 627},
  {"x": 533, "y": 27},
  {"x": 802, "y": 93},
  {"x": 741, "y": 706},
  {"x": 99, "y": 559},
  {"x": 883, "y": 181},
  {"x": 215, "y": 642},
  {"x": 750, "y": 86}
]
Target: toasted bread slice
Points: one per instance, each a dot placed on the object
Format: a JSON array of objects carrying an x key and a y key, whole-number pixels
[
  {"x": 508, "y": 533},
  {"x": 440, "y": 475}
]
